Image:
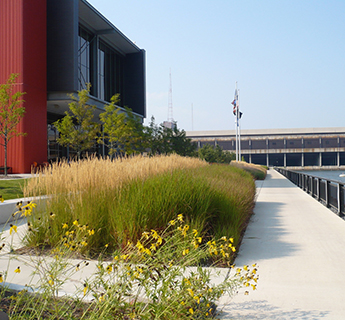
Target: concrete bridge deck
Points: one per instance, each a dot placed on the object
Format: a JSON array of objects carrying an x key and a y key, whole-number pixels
[{"x": 299, "y": 246}]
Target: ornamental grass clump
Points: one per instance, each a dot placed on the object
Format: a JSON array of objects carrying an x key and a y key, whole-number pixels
[
  {"x": 257, "y": 171},
  {"x": 147, "y": 279},
  {"x": 122, "y": 198}
]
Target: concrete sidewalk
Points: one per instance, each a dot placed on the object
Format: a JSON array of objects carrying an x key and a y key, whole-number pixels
[{"x": 299, "y": 246}]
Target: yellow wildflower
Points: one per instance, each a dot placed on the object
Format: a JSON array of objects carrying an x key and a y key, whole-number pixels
[
  {"x": 101, "y": 298},
  {"x": 64, "y": 226},
  {"x": 180, "y": 217},
  {"x": 13, "y": 228},
  {"x": 191, "y": 311},
  {"x": 85, "y": 289},
  {"x": 17, "y": 270},
  {"x": 195, "y": 232},
  {"x": 91, "y": 232},
  {"x": 185, "y": 229},
  {"x": 191, "y": 292},
  {"x": 75, "y": 222},
  {"x": 30, "y": 204},
  {"x": 27, "y": 212},
  {"x": 139, "y": 245},
  {"x": 197, "y": 299},
  {"x": 154, "y": 234},
  {"x": 1, "y": 199},
  {"x": 172, "y": 222},
  {"x": 185, "y": 251},
  {"x": 109, "y": 268},
  {"x": 1, "y": 278}
]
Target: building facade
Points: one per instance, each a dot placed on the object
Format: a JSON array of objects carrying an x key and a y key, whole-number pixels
[
  {"x": 313, "y": 147},
  {"x": 57, "y": 47}
]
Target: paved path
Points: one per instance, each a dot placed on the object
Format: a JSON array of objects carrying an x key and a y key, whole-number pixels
[{"x": 299, "y": 246}]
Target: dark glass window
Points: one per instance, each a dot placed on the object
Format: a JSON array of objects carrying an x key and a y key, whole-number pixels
[
  {"x": 110, "y": 72},
  {"x": 84, "y": 58}
]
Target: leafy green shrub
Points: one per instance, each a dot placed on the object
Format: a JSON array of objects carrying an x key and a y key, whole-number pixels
[{"x": 215, "y": 154}]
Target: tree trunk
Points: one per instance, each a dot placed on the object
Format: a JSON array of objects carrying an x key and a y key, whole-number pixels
[{"x": 5, "y": 145}]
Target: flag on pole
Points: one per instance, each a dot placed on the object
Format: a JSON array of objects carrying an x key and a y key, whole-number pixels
[{"x": 235, "y": 103}]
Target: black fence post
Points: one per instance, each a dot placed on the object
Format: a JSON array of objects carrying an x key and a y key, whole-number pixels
[{"x": 327, "y": 193}]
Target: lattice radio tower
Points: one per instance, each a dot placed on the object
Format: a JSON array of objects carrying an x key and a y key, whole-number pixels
[
  {"x": 170, "y": 122},
  {"x": 170, "y": 104}
]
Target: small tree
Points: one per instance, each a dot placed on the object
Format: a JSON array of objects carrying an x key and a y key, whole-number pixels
[
  {"x": 163, "y": 140},
  {"x": 11, "y": 112},
  {"x": 77, "y": 128},
  {"x": 123, "y": 131},
  {"x": 216, "y": 154},
  {"x": 153, "y": 133},
  {"x": 182, "y": 145}
]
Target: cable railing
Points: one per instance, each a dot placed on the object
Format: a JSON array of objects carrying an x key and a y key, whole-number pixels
[{"x": 329, "y": 192}]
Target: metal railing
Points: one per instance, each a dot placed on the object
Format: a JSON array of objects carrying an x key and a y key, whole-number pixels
[{"x": 329, "y": 192}]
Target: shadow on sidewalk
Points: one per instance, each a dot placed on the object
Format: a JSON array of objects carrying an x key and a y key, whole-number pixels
[
  {"x": 266, "y": 235},
  {"x": 262, "y": 310}
]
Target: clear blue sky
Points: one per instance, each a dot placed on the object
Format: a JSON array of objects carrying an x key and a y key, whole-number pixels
[{"x": 288, "y": 57}]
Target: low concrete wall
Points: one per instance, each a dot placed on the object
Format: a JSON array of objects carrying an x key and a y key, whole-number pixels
[{"x": 8, "y": 207}]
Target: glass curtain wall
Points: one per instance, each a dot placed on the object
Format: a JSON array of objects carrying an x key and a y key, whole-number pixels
[
  {"x": 84, "y": 58},
  {"x": 110, "y": 72}
]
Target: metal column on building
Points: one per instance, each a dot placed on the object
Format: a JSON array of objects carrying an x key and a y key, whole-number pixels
[{"x": 23, "y": 34}]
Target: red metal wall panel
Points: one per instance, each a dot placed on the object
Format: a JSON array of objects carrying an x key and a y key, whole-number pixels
[{"x": 23, "y": 51}]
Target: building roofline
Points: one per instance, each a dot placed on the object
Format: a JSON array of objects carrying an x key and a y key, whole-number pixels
[
  {"x": 106, "y": 29},
  {"x": 265, "y": 132}
]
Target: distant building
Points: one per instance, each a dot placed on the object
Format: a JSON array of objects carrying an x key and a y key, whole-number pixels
[
  {"x": 169, "y": 124},
  {"x": 57, "y": 46},
  {"x": 313, "y": 147}
]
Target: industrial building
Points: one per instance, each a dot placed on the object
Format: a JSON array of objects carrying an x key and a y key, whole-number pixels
[
  {"x": 302, "y": 148},
  {"x": 57, "y": 47}
]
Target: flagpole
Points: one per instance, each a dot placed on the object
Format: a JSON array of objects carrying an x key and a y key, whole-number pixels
[
  {"x": 236, "y": 123},
  {"x": 239, "y": 128}
]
